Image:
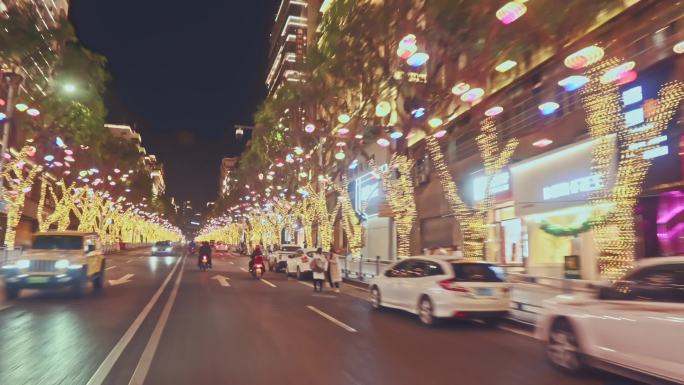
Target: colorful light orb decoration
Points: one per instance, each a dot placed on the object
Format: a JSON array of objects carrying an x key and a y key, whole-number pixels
[
  {"x": 289, "y": 158},
  {"x": 279, "y": 163},
  {"x": 548, "y": 108},
  {"x": 494, "y": 111},
  {"x": 435, "y": 122},
  {"x": 627, "y": 77},
  {"x": 584, "y": 57},
  {"x": 340, "y": 144},
  {"x": 343, "y": 131},
  {"x": 440, "y": 134},
  {"x": 309, "y": 128},
  {"x": 506, "y": 66},
  {"x": 383, "y": 142},
  {"x": 69, "y": 158},
  {"x": 473, "y": 95},
  {"x": 574, "y": 82},
  {"x": 298, "y": 150},
  {"x": 511, "y": 12},
  {"x": 396, "y": 134},
  {"x": 67, "y": 172},
  {"x": 49, "y": 158},
  {"x": 541, "y": 143},
  {"x": 116, "y": 171},
  {"x": 460, "y": 89},
  {"x": 418, "y": 112},
  {"x": 69, "y": 152},
  {"x": 383, "y": 109},
  {"x": 2, "y": 116},
  {"x": 677, "y": 48},
  {"x": 59, "y": 142},
  {"x": 358, "y": 136},
  {"x": 418, "y": 59},
  {"x": 340, "y": 155},
  {"x": 344, "y": 118},
  {"x": 354, "y": 164},
  {"x": 33, "y": 112},
  {"x": 269, "y": 177},
  {"x": 617, "y": 72},
  {"x": 407, "y": 46},
  {"x": 2, "y": 102},
  {"x": 21, "y": 107}
]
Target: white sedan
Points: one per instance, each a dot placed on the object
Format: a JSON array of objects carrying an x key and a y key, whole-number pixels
[
  {"x": 435, "y": 288},
  {"x": 634, "y": 327},
  {"x": 277, "y": 260},
  {"x": 299, "y": 263}
]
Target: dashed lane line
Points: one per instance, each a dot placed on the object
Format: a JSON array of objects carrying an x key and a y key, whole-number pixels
[
  {"x": 245, "y": 270},
  {"x": 332, "y": 319},
  {"x": 111, "y": 267},
  {"x": 306, "y": 284},
  {"x": 268, "y": 283},
  {"x": 517, "y": 331}
]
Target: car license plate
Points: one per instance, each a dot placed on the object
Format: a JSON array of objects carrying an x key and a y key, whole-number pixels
[
  {"x": 485, "y": 291},
  {"x": 37, "y": 279}
]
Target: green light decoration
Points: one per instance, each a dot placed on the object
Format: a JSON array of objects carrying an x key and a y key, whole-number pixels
[{"x": 565, "y": 231}]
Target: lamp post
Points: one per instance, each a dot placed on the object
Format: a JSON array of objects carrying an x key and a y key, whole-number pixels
[{"x": 12, "y": 81}]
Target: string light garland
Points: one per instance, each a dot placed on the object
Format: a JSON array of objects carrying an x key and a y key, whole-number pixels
[
  {"x": 350, "y": 221},
  {"x": 18, "y": 176}
]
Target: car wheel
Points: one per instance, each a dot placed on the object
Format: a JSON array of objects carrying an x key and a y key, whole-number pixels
[
  {"x": 299, "y": 274},
  {"x": 375, "y": 298},
  {"x": 562, "y": 347},
  {"x": 99, "y": 280},
  {"x": 426, "y": 312},
  {"x": 12, "y": 292},
  {"x": 492, "y": 322}
]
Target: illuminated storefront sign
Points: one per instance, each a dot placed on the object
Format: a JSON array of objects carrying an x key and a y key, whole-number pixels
[{"x": 572, "y": 187}]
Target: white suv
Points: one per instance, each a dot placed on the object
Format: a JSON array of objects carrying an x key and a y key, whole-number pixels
[
  {"x": 633, "y": 327},
  {"x": 278, "y": 259},
  {"x": 443, "y": 287},
  {"x": 299, "y": 263}
]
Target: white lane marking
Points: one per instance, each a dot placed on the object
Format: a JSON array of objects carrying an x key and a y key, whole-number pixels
[
  {"x": 129, "y": 261},
  {"x": 108, "y": 363},
  {"x": 517, "y": 331},
  {"x": 147, "y": 356},
  {"x": 111, "y": 267},
  {"x": 223, "y": 281},
  {"x": 125, "y": 279},
  {"x": 332, "y": 319},
  {"x": 268, "y": 283},
  {"x": 243, "y": 269},
  {"x": 306, "y": 284},
  {"x": 231, "y": 262}
]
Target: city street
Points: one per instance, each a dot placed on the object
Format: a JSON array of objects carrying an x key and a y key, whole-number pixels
[{"x": 161, "y": 324}]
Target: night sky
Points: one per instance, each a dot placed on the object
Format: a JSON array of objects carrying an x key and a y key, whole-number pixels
[{"x": 184, "y": 72}]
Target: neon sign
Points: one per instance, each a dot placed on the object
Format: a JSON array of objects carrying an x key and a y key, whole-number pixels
[{"x": 575, "y": 186}]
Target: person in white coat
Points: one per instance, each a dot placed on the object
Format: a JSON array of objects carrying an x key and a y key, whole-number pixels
[
  {"x": 334, "y": 271},
  {"x": 319, "y": 265}
]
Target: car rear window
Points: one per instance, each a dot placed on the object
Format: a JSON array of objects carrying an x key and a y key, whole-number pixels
[
  {"x": 57, "y": 242},
  {"x": 477, "y": 272},
  {"x": 290, "y": 249},
  {"x": 163, "y": 243}
]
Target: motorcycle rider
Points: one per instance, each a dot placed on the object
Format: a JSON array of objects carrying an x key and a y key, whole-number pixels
[
  {"x": 257, "y": 256},
  {"x": 205, "y": 249},
  {"x": 192, "y": 246}
]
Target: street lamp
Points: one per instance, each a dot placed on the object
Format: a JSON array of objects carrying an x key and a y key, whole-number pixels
[{"x": 240, "y": 130}]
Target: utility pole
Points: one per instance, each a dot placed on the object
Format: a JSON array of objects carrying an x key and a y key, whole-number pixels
[{"x": 12, "y": 81}]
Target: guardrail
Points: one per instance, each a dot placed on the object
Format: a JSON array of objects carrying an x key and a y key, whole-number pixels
[{"x": 360, "y": 268}]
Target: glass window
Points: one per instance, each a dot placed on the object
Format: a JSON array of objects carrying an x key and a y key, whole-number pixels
[
  {"x": 290, "y": 249},
  {"x": 477, "y": 272},
  {"x": 418, "y": 269},
  {"x": 57, "y": 242},
  {"x": 434, "y": 268},
  {"x": 663, "y": 283},
  {"x": 401, "y": 269}
]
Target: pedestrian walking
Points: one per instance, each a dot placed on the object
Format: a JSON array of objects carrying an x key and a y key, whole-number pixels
[
  {"x": 334, "y": 271},
  {"x": 319, "y": 265}
]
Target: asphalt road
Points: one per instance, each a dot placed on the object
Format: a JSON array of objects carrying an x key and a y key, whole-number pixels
[{"x": 172, "y": 324}]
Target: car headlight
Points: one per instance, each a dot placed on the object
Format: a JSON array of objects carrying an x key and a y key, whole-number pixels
[
  {"x": 62, "y": 264},
  {"x": 23, "y": 264},
  {"x": 169, "y": 248}
]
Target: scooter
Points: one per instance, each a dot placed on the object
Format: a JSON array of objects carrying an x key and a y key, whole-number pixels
[
  {"x": 204, "y": 263},
  {"x": 258, "y": 270}
]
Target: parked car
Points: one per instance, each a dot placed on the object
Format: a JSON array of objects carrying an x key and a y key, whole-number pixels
[
  {"x": 277, "y": 261},
  {"x": 57, "y": 259},
  {"x": 163, "y": 248},
  {"x": 440, "y": 287},
  {"x": 632, "y": 327},
  {"x": 299, "y": 263}
]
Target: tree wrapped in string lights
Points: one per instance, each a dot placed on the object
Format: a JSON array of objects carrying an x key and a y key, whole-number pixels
[
  {"x": 473, "y": 220},
  {"x": 615, "y": 232},
  {"x": 397, "y": 183},
  {"x": 18, "y": 176},
  {"x": 350, "y": 221}
]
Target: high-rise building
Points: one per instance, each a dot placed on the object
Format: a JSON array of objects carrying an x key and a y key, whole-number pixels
[
  {"x": 294, "y": 28},
  {"x": 227, "y": 167}
]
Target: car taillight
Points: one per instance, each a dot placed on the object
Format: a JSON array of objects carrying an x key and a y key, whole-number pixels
[
  {"x": 452, "y": 285},
  {"x": 204, "y": 258},
  {"x": 305, "y": 259},
  {"x": 506, "y": 290}
]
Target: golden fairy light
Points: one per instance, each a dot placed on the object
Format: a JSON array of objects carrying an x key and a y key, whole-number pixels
[{"x": 18, "y": 176}]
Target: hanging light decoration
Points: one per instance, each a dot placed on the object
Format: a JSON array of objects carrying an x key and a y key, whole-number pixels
[
  {"x": 298, "y": 150},
  {"x": 440, "y": 134},
  {"x": 496, "y": 110},
  {"x": 460, "y": 88},
  {"x": 511, "y": 12},
  {"x": 617, "y": 72},
  {"x": 679, "y": 47},
  {"x": 548, "y": 108},
  {"x": 418, "y": 112},
  {"x": 396, "y": 134},
  {"x": 584, "y": 57},
  {"x": 310, "y": 128},
  {"x": 383, "y": 142},
  {"x": 407, "y": 47},
  {"x": 358, "y": 136},
  {"x": 383, "y": 109},
  {"x": 33, "y": 112},
  {"x": 473, "y": 95},
  {"x": 344, "y": 118},
  {"x": 506, "y": 66},
  {"x": 418, "y": 59},
  {"x": 340, "y": 155},
  {"x": 435, "y": 122},
  {"x": 343, "y": 131},
  {"x": 542, "y": 142},
  {"x": 21, "y": 107},
  {"x": 340, "y": 144},
  {"x": 2, "y": 116},
  {"x": 574, "y": 82}
]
